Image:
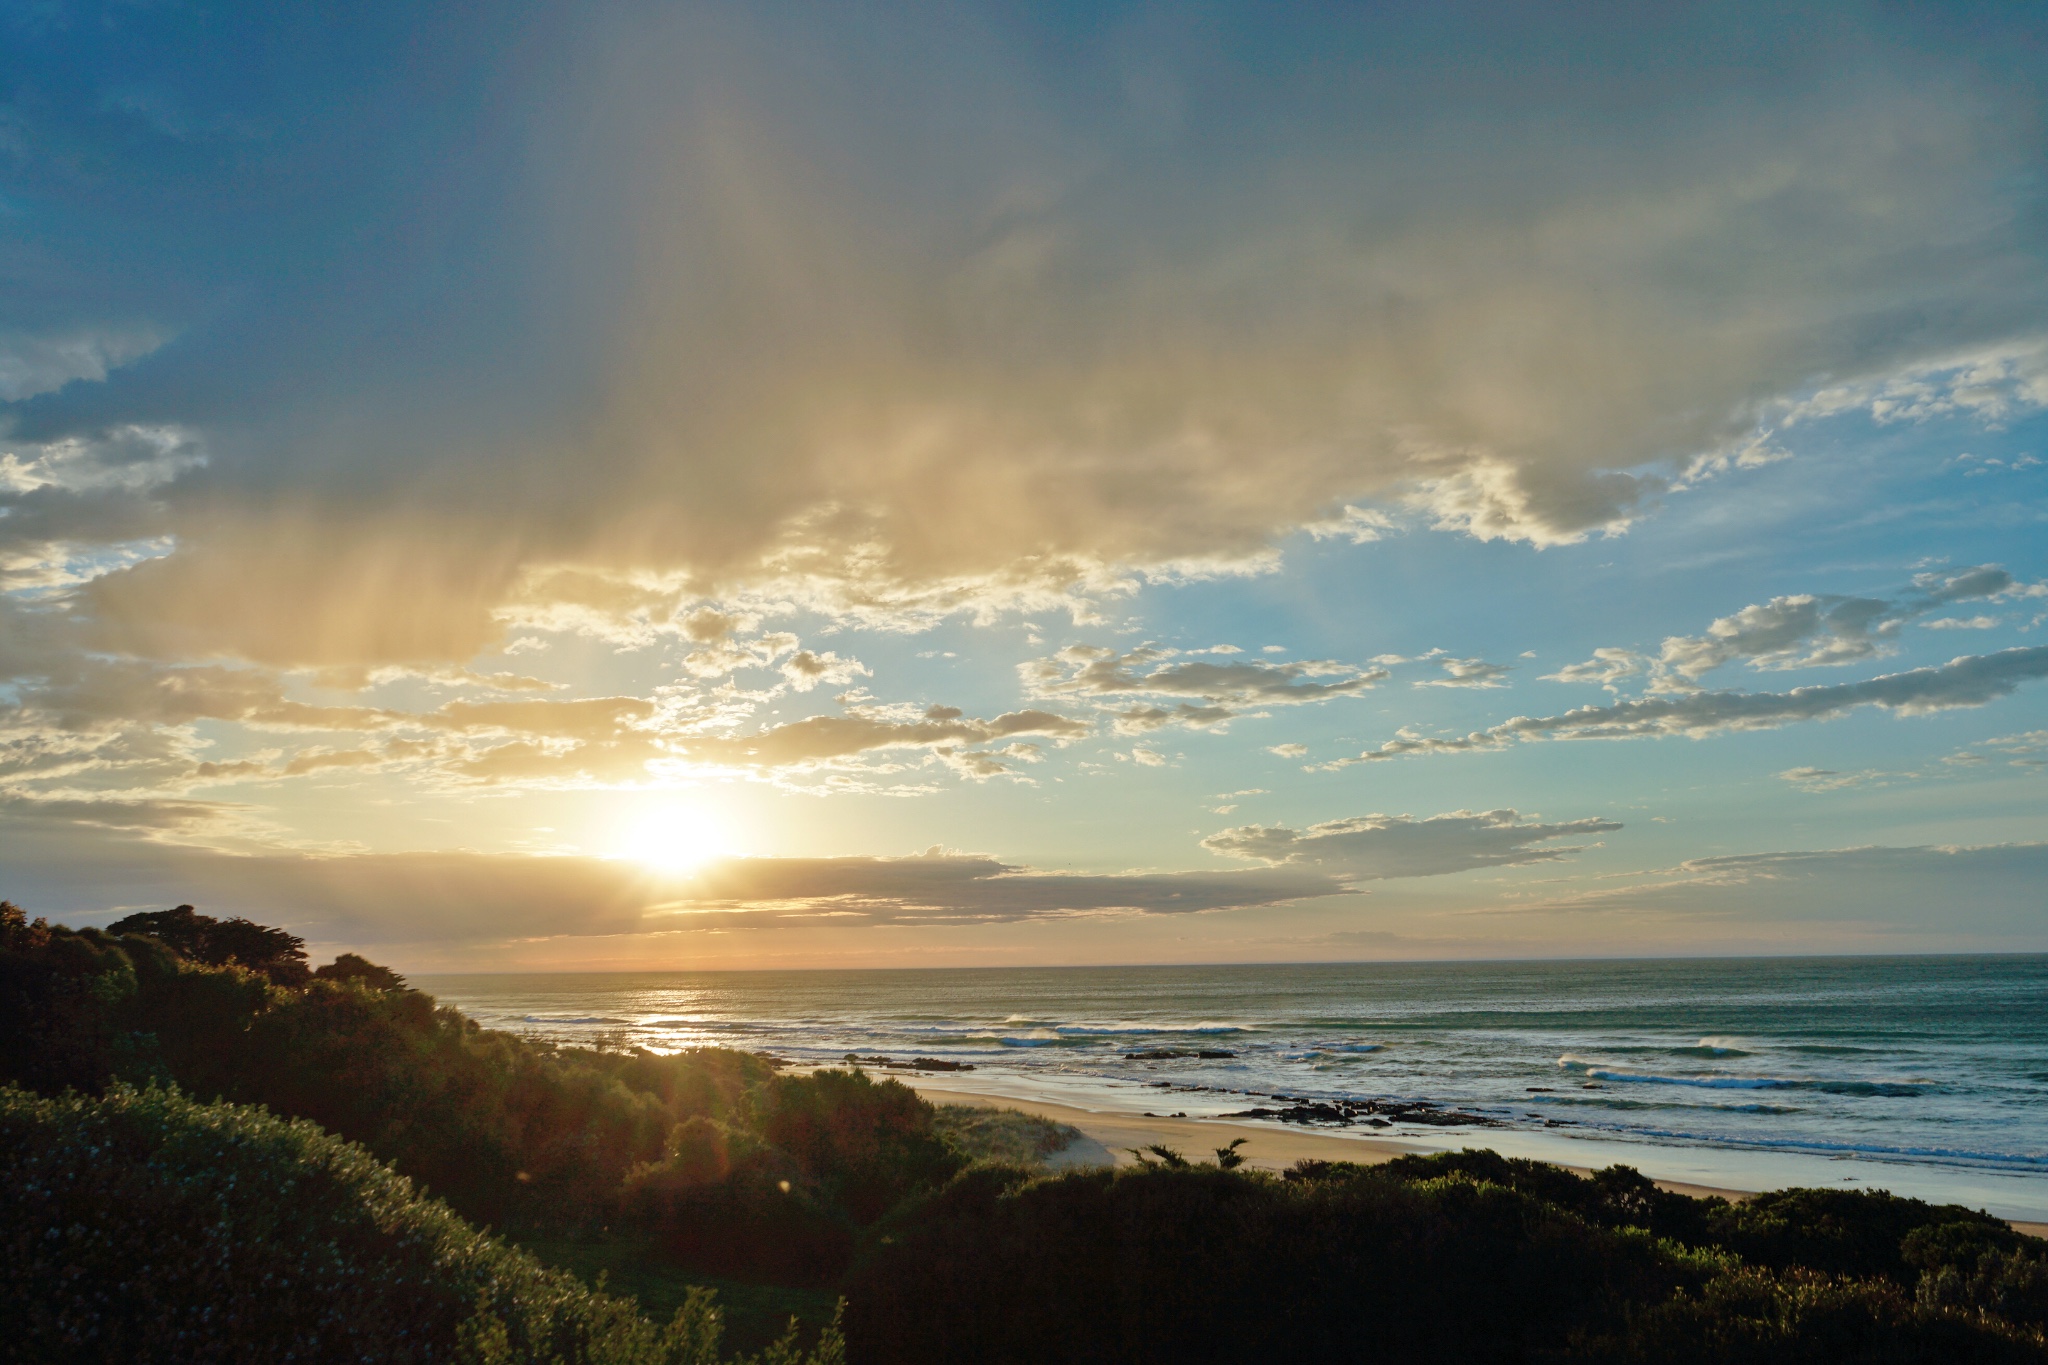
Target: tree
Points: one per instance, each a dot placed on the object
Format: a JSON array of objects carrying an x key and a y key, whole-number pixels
[
  {"x": 351, "y": 967},
  {"x": 202, "y": 938}
]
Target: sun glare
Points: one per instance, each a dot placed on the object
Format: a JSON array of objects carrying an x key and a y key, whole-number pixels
[{"x": 675, "y": 838}]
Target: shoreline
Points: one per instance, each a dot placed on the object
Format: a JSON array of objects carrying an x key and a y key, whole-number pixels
[{"x": 1108, "y": 1138}]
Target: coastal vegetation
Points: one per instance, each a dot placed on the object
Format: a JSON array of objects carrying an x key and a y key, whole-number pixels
[{"x": 212, "y": 1150}]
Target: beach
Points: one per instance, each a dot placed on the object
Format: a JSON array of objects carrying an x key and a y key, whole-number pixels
[{"x": 1109, "y": 1138}]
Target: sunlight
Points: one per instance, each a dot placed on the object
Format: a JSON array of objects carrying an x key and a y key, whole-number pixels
[{"x": 675, "y": 837}]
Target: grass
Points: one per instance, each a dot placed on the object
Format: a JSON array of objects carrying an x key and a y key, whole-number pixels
[{"x": 984, "y": 1134}]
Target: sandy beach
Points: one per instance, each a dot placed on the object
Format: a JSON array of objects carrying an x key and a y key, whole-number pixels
[{"x": 1109, "y": 1138}]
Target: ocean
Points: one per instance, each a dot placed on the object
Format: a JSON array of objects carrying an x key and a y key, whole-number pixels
[{"x": 1926, "y": 1075}]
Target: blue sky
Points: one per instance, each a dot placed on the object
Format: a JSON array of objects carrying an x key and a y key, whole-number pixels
[{"x": 630, "y": 485}]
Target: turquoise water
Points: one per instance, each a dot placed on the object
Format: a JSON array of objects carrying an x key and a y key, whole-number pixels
[{"x": 1929, "y": 1075}]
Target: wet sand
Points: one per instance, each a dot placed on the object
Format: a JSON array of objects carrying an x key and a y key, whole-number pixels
[{"x": 1108, "y": 1139}]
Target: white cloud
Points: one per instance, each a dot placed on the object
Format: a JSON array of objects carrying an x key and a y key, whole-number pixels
[
  {"x": 1991, "y": 385},
  {"x": 1606, "y": 667},
  {"x": 1828, "y": 780},
  {"x": 1469, "y": 673},
  {"x": 1096, "y": 670},
  {"x": 1971, "y": 680},
  {"x": 1801, "y": 631}
]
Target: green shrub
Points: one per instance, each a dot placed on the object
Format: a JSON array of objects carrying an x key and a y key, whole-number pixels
[
  {"x": 143, "y": 1226},
  {"x": 724, "y": 1202},
  {"x": 1839, "y": 1232},
  {"x": 1751, "y": 1317},
  {"x": 508, "y": 1129},
  {"x": 866, "y": 1144},
  {"x": 1198, "y": 1264},
  {"x": 64, "y": 998},
  {"x": 1987, "y": 1270},
  {"x": 1617, "y": 1197}
]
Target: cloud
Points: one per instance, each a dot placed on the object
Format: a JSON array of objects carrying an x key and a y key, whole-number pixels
[
  {"x": 1912, "y": 887},
  {"x": 1606, "y": 667},
  {"x": 1138, "y": 720},
  {"x": 1468, "y": 673},
  {"x": 1971, "y": 680},
  {"x": 1801, "y": 631},
  {"x": 821, "y": 740},
  {"x": 806, "y": 669},
  {"x": 1373, "y": 847},
  {"x": 1829, "y": 780},
  {"x": 1099, "y": 670},
  {"x": 1991, "y": 385},
  {"x": 32, "y": 364},
  {"x": 756, "y": 336},
  {"x": 456, "y": 899}
]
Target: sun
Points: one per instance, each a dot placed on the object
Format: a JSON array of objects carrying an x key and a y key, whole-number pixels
[{"x": 674, "y": 837}]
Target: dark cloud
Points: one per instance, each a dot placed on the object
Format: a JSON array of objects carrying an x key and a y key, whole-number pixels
[
  {"x": 1372, "y": 847},
  {"x": 452, "y": 899}
]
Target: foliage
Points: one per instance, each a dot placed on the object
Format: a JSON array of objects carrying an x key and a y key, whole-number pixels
[
  {"x": 1617, "y": 1197},
  {"x": 274, "y": 953},
  {"x": 143, "y": 1226},
  {"x": 147, "y": 1225},
  {"x": 352, "y": 967},
  {"x": 1980, "y": 1268},
  {"x": 1842, "y": 1232},
  {"x": 1751, "y": 1317},
  {"x": 1463, "y": 1256},
  {"x": 981, "y": 1133},
  {"x": 62, "y": 999},
  {"x": 866, "y": 1144},
  {"x": 1193, "y": 1263},
  {"x": 724, "y": 1202},
  {"x": 754, "y": 1314}
]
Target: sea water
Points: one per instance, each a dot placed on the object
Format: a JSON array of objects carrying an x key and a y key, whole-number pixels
[{"x": 1925, "y": 1075}]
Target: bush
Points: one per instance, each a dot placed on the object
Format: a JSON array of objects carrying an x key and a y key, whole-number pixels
[
  {"x": 63, "y": 1001},
  {"x": 143, "y": 1226},
  {"x": 1197, "y": 1264},
  {"x": 725, "y": 1203},
  {"x": 507, "y": 1129},
  {"x": 1617, "y": 1197},
  {"x": 1750, "y": 1317},
  {"x": 866, "y": 1144},
  {"x": 1986, "y": 1270},
  {"x": 1839, "y": 1232}
]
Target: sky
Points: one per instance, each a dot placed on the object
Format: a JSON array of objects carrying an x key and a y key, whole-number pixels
[{"x": 614, "y": 486}]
